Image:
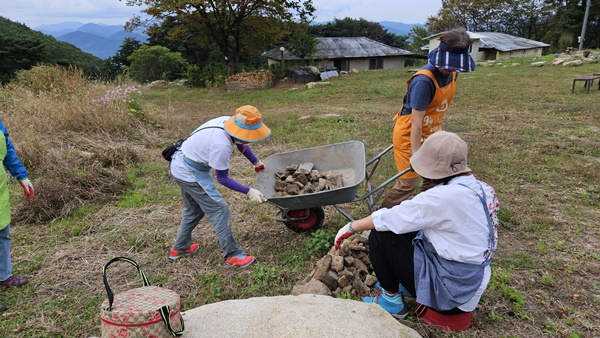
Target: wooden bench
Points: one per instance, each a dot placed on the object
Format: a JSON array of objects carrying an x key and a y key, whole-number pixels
[{"x": 589, "y": 82}]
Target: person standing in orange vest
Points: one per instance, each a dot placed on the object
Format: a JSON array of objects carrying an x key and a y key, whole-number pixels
[{"x": 429, "y": 94}]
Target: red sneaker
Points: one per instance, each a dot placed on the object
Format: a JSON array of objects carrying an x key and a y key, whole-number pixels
[
  {"x": 174, "y": 254},
  {"x": 241, "y": 260},
  {"x": 13, "y": 281}
]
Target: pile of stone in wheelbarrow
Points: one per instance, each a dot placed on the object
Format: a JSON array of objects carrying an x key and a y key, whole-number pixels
[{"x": 299, "y": 179}]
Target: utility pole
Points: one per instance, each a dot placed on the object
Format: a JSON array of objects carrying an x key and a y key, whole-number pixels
[
  {"x": 282, "y": 49},
  {"x": 585, "y": 18}
]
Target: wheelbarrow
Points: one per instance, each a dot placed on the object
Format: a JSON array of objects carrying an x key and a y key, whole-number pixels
[{"x": 304, "y": 213}]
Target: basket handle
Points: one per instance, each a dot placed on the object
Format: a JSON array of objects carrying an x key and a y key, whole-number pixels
[
  {"x": 165, "y": 313},
  {"x": 123, "y": 259}
]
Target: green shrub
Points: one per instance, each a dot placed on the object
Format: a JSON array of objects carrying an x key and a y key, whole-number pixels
[
  {"x": 150, "y": 63},
  {"x": 319, "y": 243},
  {"x": 194, "y": 76}
]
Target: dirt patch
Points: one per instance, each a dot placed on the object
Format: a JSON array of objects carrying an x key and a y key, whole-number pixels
[{"x": 286, "y": 84}]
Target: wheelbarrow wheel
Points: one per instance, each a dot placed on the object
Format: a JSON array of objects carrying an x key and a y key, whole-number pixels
[{"x": 309, "y": 220}]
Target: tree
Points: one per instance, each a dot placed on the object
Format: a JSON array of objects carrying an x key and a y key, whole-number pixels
[
  {"x": 530, "y": 19},
  {"x": 570, "y": 15},
  {"x": 417, "y": 37},
  {"x": 302, "y": 45},
  {"x": 557, "y": 22},
  {"x": 473, "y": 15},
  {"x": 128, "y": 47},
  {"x": 349, "y": 27},
  {"x": 118, "y": 63},
  {"x": 150, "y": 63},
  {"x": 18, "y": 53},
  {"x": 21, "y": 48},
  {"x": 190, "y": 40},
  {"x": 232, "y": 24}
]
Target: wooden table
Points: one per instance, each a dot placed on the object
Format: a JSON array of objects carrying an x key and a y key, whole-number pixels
[{"x": 589, "y": 82}]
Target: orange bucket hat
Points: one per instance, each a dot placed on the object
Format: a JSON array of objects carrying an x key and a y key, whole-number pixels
[{"x": 246, "y": 125}]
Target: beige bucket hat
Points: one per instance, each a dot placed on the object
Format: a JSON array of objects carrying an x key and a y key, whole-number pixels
[{"x": 443, "y": 154}]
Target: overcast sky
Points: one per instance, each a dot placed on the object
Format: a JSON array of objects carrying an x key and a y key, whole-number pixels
[{"x": 114, "y": 12}]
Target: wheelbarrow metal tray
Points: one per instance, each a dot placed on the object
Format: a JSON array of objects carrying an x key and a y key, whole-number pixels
[{"x": 347, "y": 158}]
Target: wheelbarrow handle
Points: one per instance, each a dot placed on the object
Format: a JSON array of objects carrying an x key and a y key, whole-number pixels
[{"x": 382, "y": 185}]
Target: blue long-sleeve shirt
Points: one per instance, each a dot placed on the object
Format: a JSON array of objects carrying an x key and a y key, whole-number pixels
[{"x": 11, "y": 162}]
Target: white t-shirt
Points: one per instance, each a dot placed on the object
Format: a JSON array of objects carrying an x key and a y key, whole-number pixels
[
  {"x": 452, "y": 220},
  {"x": 211, "y": 146}
]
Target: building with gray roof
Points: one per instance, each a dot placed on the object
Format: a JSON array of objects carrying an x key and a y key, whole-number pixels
[
  {"x": 346, "y": 53},
  {"x": 495, "y": 46}
]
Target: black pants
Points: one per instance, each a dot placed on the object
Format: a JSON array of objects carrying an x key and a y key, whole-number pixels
[{"x": 392, "y": 258}]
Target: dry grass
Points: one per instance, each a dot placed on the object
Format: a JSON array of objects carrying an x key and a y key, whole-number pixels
[{"x": 529, "y": 137}]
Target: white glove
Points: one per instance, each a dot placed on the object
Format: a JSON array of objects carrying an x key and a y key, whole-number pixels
[
  {"x": 28, "y": 191},
  {"x": 256, "y": 196},
  {"x": 258, "y": 166},
  {"x": 345, "y": 232}
]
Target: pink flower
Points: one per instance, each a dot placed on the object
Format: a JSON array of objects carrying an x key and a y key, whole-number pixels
[
  {"x": 122, "y": 332},
  {"x": 156, "y": 316}
]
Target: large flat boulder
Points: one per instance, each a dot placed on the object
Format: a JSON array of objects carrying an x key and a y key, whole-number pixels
[{"x": 293, "y": 316}]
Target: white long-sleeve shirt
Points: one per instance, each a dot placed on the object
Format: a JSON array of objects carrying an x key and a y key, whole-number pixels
[
  {"x": 212, "y": 147},
  {"x": 452, "y": 219}
]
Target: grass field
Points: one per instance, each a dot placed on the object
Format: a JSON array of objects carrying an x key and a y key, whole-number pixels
[{"x": 536, "y": 143}]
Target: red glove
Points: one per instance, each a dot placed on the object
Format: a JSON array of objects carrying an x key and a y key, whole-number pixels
[
  {"x": 342, "y": 234},
  {"x": 258, "y": 166},
  {"x": 27, "y": 188}
]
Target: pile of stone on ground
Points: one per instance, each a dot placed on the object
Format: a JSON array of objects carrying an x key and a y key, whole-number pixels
[
  {"x": 345, "y": 271},
  {"x": 260, "y": 79},
  {"x": 303, "y": 179}
]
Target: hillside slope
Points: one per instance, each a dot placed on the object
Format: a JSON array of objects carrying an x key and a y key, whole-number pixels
[
  {"x": 21, "y": 48},
  {"x": 100, "y": 40}
]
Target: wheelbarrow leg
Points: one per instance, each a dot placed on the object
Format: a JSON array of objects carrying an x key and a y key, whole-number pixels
[{"x": 344, "y": 213}]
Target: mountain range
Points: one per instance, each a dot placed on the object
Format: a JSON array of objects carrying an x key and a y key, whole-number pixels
[
  {"x": 399, "y": 28},
  {"x": 99, "y": 40},
  {"x": 104, "y": 41}
]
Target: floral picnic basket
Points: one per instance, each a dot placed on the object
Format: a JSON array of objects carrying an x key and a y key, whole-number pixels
[{"x": 147, "y": 311}]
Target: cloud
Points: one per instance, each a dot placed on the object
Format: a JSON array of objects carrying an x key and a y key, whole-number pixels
[
  {"x": 406, "y": 11},
  {"x": 36, "y": 12}
]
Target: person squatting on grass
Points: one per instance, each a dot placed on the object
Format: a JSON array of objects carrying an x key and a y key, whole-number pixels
[
  {"x": 211, "y": 146},
  {"x": 437, "y": 245},
  {"x": 428, "y": 95},
  {"x": 12, "y": 163}
]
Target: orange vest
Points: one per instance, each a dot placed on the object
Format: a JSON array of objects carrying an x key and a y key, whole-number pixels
[{"x": 432, "y": 121}]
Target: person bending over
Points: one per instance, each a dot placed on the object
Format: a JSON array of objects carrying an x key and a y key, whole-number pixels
[{"x": 209, "y": 147}]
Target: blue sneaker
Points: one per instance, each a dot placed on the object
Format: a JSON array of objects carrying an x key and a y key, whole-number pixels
[
  {"x": 401, "y": 287},
  {"x": 394, "y": 305}
]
